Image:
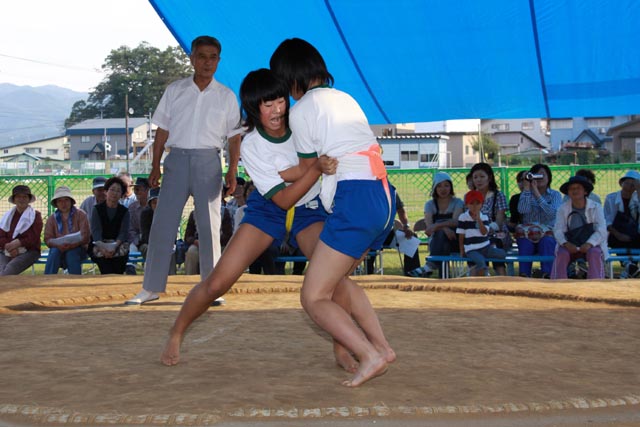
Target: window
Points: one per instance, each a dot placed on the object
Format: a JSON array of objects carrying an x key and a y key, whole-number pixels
[
  {"x": 500, "y": 126},
  {"x": 138, "y": 135},
  {"x": 86, "y": 138},
  {"x": 466, "y": 150},
  {"x": 562, "y": 124},
  {"x": 33, "y": 150},
  {"x": 428, "y": 157},
  {"x": 52, "y": 151},
  {"x": 637, "y": 150},
  {"x": 409, "y": 156},
  {"x": 601, "y": 122},
  {"x": 527, "y": 125},
  {"x": 6, "y": 151}
]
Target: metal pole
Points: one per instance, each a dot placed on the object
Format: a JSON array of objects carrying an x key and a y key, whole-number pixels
[{"x": 126, "y": 126}]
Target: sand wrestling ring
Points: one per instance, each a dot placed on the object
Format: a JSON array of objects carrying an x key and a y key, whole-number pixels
[{"x": 489, "y": 351}]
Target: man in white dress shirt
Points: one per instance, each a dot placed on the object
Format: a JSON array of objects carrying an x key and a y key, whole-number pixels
[{"x": 195, "y": 117}]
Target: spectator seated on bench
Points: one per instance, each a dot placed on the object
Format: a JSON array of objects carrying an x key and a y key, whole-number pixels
[
  {"x": 67, "y": 234},
  {"x": 580, "y": 230},
  {"x": 622, "y": 211},
  {"x": 473, "y": 232},
  {"x": 20, "y": 229},
  {"x": 440, "y": 220},
  {"x": 537, "y": 206},
  {"x": 110, "y": 229}
]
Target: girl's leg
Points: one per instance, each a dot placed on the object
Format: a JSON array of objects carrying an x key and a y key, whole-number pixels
[
  {"x": 353, "y": 299},
  {"x": 326, "y": 269},
  {"x": 559, "y": 269},
  {"x": 243, "y": 248},
  {"x": 596, "y": 263},
  {"x": 307, "y": 240}
]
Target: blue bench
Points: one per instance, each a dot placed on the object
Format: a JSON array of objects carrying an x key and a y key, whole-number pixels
[
  {"x": 134, "y": 258},
  {"x": 622, "y": 255},
  {"x": 457, "y": 265},
  {"x": 360, "y": 270}
]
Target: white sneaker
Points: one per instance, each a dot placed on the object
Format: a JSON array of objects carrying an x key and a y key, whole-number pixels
[
  {"x": 218, "y": 301},
  {"x": 142, "y": 297}
]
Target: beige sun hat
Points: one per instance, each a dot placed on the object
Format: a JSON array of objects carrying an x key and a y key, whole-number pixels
[{"x": 62, "y": 191}]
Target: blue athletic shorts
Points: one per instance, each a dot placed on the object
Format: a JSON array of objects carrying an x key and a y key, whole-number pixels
[
  {"x": 361, "y": 219},
  {"x": 271, "y": 219}
]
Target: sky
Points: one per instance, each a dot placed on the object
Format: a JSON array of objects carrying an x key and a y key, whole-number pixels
[{"x": 65, "y": 42}]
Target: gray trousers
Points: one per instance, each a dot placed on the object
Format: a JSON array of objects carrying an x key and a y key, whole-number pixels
[
  {"x": 12, "y": 266},
  {"x": 196, "y": 173}
]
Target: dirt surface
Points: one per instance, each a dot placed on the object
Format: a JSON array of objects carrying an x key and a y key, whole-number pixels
[{"x": 482, "y": 351}]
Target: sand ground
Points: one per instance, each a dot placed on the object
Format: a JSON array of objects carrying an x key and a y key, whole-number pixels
[{"x": 471, "y": 352}]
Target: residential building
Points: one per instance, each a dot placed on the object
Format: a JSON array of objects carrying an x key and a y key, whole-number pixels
[
  {"x": 625, "y": 139},
  {"x": 53, "y": 148},
  {"x": 515, "y": 136},
  {"x": 588, "y": 132},
  {"x": 414, "y": 151},
  {"x": 101, "y": 139}
]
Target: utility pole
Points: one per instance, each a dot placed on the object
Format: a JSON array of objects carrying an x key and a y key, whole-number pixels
[
  {"x": 480, "y": 145},
  {"x": 126, "y": 126}
]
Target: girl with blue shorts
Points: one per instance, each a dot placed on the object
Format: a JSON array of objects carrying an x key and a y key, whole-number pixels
[
  {"x": 328, "y": 122},
  {"x": 267, "y": 153}
]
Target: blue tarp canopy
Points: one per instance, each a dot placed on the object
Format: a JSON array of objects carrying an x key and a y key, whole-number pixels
[{"x": 425, "y": 60}]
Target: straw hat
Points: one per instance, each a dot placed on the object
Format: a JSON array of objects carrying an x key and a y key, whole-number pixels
[
  {"x": 22, "y": 189},
  {"x": 62, "y": 191}
]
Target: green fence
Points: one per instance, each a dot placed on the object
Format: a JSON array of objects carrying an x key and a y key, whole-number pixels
[{"x": 414, "y": 186}]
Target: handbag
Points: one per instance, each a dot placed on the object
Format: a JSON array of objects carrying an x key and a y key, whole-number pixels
[
  {"x": 579, "y": 235},
  {"x": 626, "y": 224}
]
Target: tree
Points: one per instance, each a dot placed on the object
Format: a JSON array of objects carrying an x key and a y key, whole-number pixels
[
  {"x": 490, "y": 147},
  {"x": 144, "y": 72}
]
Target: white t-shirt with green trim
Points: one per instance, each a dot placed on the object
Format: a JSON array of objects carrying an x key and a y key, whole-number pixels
[{"x": 264, "y": 157}]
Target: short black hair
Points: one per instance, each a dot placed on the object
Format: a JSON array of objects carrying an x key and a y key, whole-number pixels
[
  {"x": 587, "y": 173},
  {"x": 257, "y": 87},
  {"x": 539, "y": 166},
  {"x": 298, "y": 63},
  {"x": 115, "y": 180},
  {"x": 206, "y": 41}
]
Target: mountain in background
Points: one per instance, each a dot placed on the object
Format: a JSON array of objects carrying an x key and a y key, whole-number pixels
[{"x": 30, "y": 113}]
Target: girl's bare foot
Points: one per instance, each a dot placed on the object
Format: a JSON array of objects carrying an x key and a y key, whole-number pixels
[
  {"x": 368, "y": 369},
  {"x": 345, "y": 359},
  {"x": 171, "y": 353},
  {"x": 388, "y": 354}
]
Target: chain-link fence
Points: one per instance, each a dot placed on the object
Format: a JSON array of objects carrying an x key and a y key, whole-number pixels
[{"x": 414, "y": 186}]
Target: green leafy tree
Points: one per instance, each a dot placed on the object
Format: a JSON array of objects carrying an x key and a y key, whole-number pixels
[
  {"x": 143, "y": 72},
  {"x": 490, "y": 147}
]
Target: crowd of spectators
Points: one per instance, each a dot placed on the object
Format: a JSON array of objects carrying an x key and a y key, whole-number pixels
[{"x": 571, "y": 226}]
